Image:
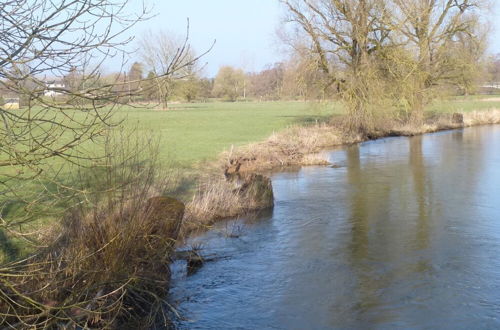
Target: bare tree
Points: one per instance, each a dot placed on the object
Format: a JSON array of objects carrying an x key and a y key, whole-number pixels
[
  {"x": 268, "y": 83},
  {"x": 229, "y": 83},
  {"x": 168, "y": 58},
  {"x": 342, "y": 35},
  {"x": 134, "y": 78},
  {"x": 430, "y": 27},
  {"x": 302, "y": 78},
  {"x": 493, "y": 69},
  {"x": 467, "y": 58},
  {"x": 65, "y": 41},
  {"x": 42, "y": 40}
]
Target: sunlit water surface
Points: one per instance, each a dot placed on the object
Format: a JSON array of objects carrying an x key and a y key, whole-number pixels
[{"x": 405, "y": 234}]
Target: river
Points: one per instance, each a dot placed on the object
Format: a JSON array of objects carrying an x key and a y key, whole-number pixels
[{"x": 404, "y": 234}]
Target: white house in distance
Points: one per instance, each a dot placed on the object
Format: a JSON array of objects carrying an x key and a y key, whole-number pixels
[
  {"x": 52, "y": 88},
  {"x": 495, "y": 85}
]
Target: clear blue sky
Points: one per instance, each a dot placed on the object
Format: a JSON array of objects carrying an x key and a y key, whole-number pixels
[
  {"x": 495, "y": 35},
  {"x": 244, "y": 29}
]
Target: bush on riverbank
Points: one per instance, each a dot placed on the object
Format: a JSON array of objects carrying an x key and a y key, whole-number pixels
[{"x": 106, "y": 264}]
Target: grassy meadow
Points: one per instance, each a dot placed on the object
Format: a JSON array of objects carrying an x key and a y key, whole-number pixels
[
  {"x": 195, "y": 132},
  {"x": 465, "y": 103},
  {"x": 191, "y": 133}
]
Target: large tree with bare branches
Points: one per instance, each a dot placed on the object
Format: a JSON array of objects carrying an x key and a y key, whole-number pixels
[
  {"x": 342, "y": 35},
  {"x": 51, "y": 54},
  {"x": 400, "y": 49},
  {"x": 43, "y": 40},
  {"x": 431, "y": 28},
  {"x": 168, "y": 57}
]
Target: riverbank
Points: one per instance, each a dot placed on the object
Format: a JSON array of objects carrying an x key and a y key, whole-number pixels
[
  {"x": 404, "y": 234},
  {"x": 129, "y": 243},
  {"x": 299, "y": 145},
  {"x": 219, "y": 197}
]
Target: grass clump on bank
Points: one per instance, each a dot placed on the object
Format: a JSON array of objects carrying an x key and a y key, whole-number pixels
[{"x": 221, "y": 197}]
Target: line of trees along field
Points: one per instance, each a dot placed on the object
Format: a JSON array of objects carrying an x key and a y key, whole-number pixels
[
  {"x": 298, "y": 78},
  {"x": 371, "y": 54}
]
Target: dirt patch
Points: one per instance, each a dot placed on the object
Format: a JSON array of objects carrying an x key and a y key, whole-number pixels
[{"x": 491, "y": 99}]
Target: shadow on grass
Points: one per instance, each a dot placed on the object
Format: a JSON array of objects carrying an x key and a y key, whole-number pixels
[
  {"x": 311, "y": 119},
  {"x": 8, "y": 250},
  {"x": 188, "y": 107},
  {"x": 184, "y": 189}
]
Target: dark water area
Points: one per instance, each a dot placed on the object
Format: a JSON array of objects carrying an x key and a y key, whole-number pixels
[{"x": 405, "y": 234}]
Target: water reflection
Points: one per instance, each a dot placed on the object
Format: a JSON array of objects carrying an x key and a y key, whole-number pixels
[
  {"x": 406, "y": 235},
  {"x": 417, "y": 166},
  {"x": 361, "y": 205}
]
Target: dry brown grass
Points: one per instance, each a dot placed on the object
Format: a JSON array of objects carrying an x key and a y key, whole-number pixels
[
  {"x": 299, "y": 145},
  {"x": 107, "y": 267},
  {"x": 491, "y": 99},
  {"x": 219, "y": 198},
  {"x": 292, "y": 146},
  {"x": 215, "y": 198},
  {"x": 488, "y": 117}
]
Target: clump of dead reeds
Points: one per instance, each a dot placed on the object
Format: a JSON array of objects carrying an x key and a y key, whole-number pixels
[
  {"x": 219, "y": 197},
  {"x": 292, "y": 146},
  {"x": 484, "y": 117}
]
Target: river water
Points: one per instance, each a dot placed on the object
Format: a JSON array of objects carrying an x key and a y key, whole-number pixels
[{"x": 405, "y": 234}]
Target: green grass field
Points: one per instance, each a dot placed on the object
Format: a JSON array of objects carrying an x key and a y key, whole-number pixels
[
  {"x": 196, "y": 132},
  {"x": 466, "y": 104}
]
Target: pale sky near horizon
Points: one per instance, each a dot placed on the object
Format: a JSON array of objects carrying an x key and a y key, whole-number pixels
[{"x": 244, "y": 30}]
